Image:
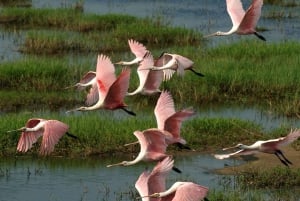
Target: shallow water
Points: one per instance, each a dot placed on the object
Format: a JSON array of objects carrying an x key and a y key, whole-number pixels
[{"x": 64, "y": 179}]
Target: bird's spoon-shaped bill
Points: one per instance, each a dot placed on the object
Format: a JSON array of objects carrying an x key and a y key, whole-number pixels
[
  {"x": 209, "y": 35},
  {"x": 116, "y": 164},
  {"x": 17, "y": 130},
  {"x": 227, "y": 148}
]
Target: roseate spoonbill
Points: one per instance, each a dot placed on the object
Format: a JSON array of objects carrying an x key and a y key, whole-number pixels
[
  {"x": 149, "y": 80},
  {"x": 243, "y": 22},
  {"x": 111, "y": 90},
  {"x": 153, "y": 147},
  {"x": 269, "y": 146},
  {"x": 138, "y": 49},
  {"x": 169, "y": 120},
  {"x": 51, "y": 130},
  {"x": 89, "y": 79},
  {"x": 170, "y": 63},
  {"x": 152, "y": 185}
]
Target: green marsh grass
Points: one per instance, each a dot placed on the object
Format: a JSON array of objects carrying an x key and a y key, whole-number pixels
[{"x": 103, "y": 132}]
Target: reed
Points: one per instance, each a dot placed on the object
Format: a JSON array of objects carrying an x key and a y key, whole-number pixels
[{"x": 103, "y": 132}]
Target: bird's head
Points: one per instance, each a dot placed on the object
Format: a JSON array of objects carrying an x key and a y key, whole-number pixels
[
  {"x": 218, "y": 33},
  {"x": 154, "y": 195}
]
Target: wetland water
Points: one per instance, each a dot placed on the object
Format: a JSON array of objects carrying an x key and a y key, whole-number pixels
[
  {"x": 30, "y": 179},
  {"x": 65, "y": 179}
]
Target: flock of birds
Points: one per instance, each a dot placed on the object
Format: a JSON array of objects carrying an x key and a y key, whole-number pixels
[{"x": 107, "y": 91}]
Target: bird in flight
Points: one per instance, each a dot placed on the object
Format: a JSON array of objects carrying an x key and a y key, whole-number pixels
[
  {"x": 153, "y": 147},
  {"x": 150, "y": 81},
  {"x": 89, "y": 79},
  {"x": 138, "y": 49},
  {"x": 111, "y": 90},
  {"x": 243, "y": 22},
  {"x": 268, "y": 146},
  {"x": 169, "y": 120},
  {"x": 51, "y": 130},
  {"x": 152, "y": 185},
  {"x": 171, "y": 63}
]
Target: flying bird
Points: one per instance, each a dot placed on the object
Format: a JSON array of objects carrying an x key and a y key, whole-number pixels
[
  {"x": 111, "y": 90},
  {"x": 244, "y": 22},
  {"x": 138, "y": 49},
  {"x": 152, "y": 147},
  {"x": 88, "y": 80},
  {"x": 171, "y": 63},
  {"x": 149, "y": 81},
  {"x": 51, "y": 130},
  {"x": 169, "y": 120},
  {"x": 152, "y": 185},
  {"x": 269, "y": 146}
]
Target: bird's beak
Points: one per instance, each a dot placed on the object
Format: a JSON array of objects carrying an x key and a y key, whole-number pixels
[
  {"x": 129, "y": 144},
  {"x": 155, "y": 195},
  {"x": 224, "y": 149},
  {"x": 74, "y": 110},
  {"x": 116, "y": 164},
  {"x": 17, "y": 130},
  {"x": 69, "y": 87},
  {"x": 210, "y": 35},
  {"x": 119, "y": 63}
]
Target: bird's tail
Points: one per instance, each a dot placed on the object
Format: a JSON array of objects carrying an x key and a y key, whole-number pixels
[
  {"x": 176, "y": 169},
  {"x": 260, "y": 36},
  {"x": 71, "y": 135}
]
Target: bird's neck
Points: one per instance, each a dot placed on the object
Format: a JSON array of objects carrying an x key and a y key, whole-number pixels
[
  {"x": 36, "y": 128},
  {"x": 171, "y": 190}
]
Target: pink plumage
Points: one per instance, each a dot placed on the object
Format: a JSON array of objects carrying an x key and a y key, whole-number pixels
[{"x": 51, "y": 130}]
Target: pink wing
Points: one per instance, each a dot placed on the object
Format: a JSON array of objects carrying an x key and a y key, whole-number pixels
[
  {"x": 53, "y": 131},
  {"x": 153, "y": 142},
  {"x": 138, "y": 49},
  {"x": 235, "y": 11},
  {"x": 93, "y": 95},
  {"x": 88, "y": 77},
  {"x": 174, "y": 122},
  {"x": 248, "y": 24},
  {"x": 164, "y": 109},
  {"x": 153, "y": 81},
  {"x": 190, "y": 191},
  {"x": 117, "y": 91},
  {"x": 291, "y": 137},
  {"x": 27, "y": 139},
  {"x": 105, "y": 75},
  {"x": 142, "y": 185},
  {"x": 183, "y": 64},
  {"x": 157, "y": 179}
]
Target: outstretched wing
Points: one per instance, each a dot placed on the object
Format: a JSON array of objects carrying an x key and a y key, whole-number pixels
[
  {"x": 164, "y": 109},
  {"x": 53, "y": 131},
  {"x": 235, "y": 11},
  {"x": 251, "y": 17},
  {"x": 105, "y": 75},
  {"x": 138, "y": 49},
  {"x": 27, "y": 139},
  {"x": 190, "y": 191}
]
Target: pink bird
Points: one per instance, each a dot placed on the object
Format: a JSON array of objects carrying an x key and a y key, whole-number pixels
[
  {"x": 269, "y": 146},
  {"x": 170, "y": 121},
  {"x": 89, "y": 79},
  {"x": 152, "y": 185},
  {"x": 111, "y": 90},
  {"x": 51, "y": 130},
  {"x": 244, "y": 22},
  {"x": 170, "y": 63},
  {"x": 152, "y": 147},
  {"x": 138, "y": 49},
  {"x": 150, "y": 81}
]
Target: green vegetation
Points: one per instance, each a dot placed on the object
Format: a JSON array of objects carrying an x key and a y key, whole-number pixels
[{"x": 287, "y": 3}]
